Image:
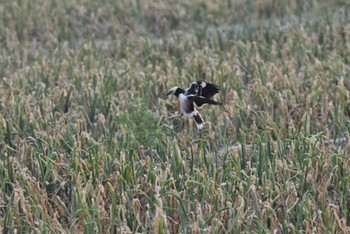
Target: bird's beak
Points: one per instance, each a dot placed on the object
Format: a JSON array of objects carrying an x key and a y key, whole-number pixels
[{"x": 168, "y": 93}]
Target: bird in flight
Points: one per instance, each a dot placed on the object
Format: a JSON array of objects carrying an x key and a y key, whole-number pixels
[{"x": 200, "y": 93}]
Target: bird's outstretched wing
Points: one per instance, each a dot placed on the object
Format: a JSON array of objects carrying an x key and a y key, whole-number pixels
[
  {"x": 206, "y": 89},
  {"x": 200, "y": 101}
]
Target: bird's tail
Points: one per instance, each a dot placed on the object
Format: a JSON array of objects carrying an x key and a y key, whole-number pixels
[{"x": 198, "y": 119}]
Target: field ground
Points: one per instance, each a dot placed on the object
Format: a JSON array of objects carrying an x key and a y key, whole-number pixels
[{"x": 88, "y": 143}]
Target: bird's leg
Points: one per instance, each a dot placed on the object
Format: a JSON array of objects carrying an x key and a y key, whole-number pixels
[{"x": 174, "y": 116}]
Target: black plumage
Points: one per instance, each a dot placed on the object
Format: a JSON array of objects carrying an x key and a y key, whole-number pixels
[{"x": 206, "y": 89}]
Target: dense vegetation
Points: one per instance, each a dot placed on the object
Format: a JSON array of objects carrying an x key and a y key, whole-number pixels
[{"x": 89, "y": 143}]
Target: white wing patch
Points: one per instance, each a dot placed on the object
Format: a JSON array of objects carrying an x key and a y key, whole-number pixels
[{"x": 203, "y": 84}]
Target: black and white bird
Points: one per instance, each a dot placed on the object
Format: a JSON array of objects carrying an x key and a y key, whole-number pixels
[{"x": 200, "y": 93}]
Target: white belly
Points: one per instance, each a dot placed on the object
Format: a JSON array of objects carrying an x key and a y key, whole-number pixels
[{"x": 184, "y": 102}]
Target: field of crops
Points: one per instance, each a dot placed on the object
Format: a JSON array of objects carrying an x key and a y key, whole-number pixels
[{"x": 89, "y": 142}]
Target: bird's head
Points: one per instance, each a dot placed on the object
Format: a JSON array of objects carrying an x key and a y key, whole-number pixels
[{"x": 172, "y": 90}]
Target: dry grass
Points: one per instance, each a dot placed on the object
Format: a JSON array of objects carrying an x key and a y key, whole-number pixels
[{"x": 88, "y": 145}]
